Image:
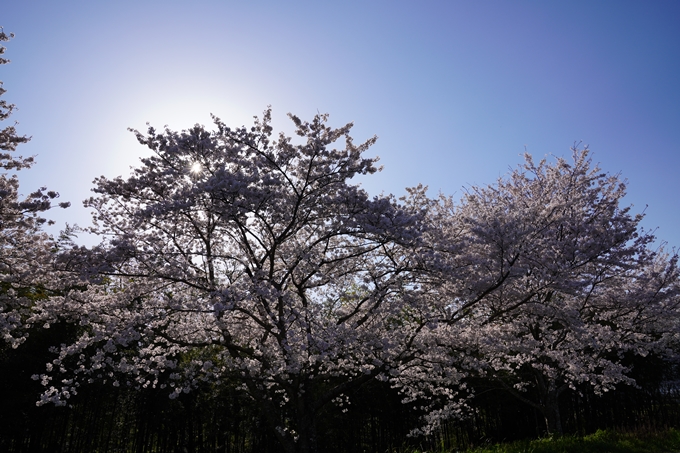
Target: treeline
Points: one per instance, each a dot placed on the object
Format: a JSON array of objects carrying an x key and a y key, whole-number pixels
[{"x": 215, "y": 419}]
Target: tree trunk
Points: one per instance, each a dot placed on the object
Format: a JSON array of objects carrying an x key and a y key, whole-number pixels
[
  {"x": 549, "y": 394},
  {"x": 551, "y": 413},
  {"x": 547, "y": 404},
  {"x": 301, "y": 437},
  {"x": 307, "y": 440}
]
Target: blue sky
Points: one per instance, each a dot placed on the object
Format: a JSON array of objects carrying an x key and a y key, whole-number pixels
[{"x": 455, "y": 90}]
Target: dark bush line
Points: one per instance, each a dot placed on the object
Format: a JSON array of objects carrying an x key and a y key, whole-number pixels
[{"x": 106, "y": 419}]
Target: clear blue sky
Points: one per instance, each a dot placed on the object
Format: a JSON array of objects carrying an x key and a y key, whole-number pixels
[{"x": 455, "y": 90}]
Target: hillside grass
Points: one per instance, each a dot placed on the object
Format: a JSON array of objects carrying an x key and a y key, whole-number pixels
[{"x": 599, "y": 442}]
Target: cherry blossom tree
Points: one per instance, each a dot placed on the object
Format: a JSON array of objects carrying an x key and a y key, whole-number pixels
[
  {"x": 562, "y": 279},
  {"x": 26, "y": 257},
  {"x": 232, "y": 255}
]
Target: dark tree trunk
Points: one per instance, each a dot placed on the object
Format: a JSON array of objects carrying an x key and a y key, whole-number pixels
[
  {"x": 549, "y": 394},
  {"x": 551, "y": 413},
  {"x": 303, "y": 437},
  {"x": 307, "y": 441},
  {"x": 548, "y": 401}
]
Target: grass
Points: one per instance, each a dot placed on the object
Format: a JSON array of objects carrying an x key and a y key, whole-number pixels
[{"x": 599, "y": 442}]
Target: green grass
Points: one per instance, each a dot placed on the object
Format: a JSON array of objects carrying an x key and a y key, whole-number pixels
[{"x": 600, "y": 442}]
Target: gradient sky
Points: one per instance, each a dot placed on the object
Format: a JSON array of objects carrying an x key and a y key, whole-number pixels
[{"x": 455, "y": 90}]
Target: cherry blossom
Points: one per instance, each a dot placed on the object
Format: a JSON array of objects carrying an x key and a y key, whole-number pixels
[
  {"x": 233, "y": 255},
  {"x": 26, "y": 263},
  {"x": 554, "y": 283}
]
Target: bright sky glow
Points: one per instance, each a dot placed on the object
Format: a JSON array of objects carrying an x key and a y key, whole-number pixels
[
  {"x": 454, "y": 90},
  {"x": 196, "y": 168}
]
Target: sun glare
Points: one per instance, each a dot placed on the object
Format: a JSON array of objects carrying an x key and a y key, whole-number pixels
[{"x": 196, "y": 168}]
